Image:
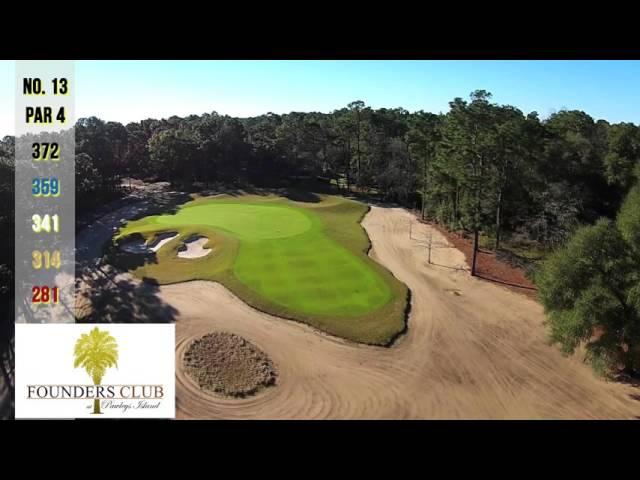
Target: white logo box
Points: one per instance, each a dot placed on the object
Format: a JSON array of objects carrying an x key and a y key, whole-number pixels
[{"x": 45, "y": 369}]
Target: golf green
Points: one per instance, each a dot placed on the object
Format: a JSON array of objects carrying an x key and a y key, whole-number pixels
[
  {"x": 246, "y": 221},
  {"x": 281, "y": 256}
]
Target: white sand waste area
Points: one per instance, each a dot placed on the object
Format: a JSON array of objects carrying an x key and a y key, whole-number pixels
[
  {"x": 482, "y": 353},
  {"x": 139, "y": 246},
  {"x": 194, "y": 248}
]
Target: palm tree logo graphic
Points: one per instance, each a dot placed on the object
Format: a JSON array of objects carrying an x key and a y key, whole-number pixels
[{"x": 95, "y": 352}]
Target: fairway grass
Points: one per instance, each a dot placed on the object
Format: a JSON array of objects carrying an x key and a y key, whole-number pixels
[{"x": 302, "y": 261}]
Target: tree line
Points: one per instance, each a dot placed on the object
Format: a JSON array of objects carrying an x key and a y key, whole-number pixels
[
  {"x": 481, "y": 167},
  {"x": 7, "y": 347}
]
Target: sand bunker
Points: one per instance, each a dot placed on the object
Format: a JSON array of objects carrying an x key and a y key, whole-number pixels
[
  {"x": 228, "y": 364},
  {"x": 194, "y": 248},
  {"x": 140, "y": 247}
]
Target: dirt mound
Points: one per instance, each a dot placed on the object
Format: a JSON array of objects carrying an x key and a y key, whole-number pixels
[{"x": 228, "y": 364}]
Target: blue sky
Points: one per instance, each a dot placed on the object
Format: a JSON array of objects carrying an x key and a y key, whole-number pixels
[{"x": 127, "y": 91}]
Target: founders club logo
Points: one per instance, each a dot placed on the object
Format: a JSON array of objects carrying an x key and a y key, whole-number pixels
[
  {"x": 95, "y": 352},
  {"x": 96, "y": 371}
]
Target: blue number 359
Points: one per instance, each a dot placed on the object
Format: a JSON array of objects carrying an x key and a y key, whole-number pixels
[{"x": 45, "y": 187}]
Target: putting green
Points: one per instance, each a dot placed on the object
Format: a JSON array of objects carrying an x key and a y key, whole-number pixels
[
  {"x": 246, "y": 221},
  {"x": 311, "y": 274},
  {"x": 282, "y": 257}
]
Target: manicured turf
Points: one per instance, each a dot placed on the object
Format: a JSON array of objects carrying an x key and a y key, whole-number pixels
[
  {"x": 245, "y": 221},
  {"x": 305, "y": 261}
]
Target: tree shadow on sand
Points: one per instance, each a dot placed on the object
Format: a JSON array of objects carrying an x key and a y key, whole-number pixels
[
  {"x": 626, "y": 379},
  {"x": 165, "y": 203},
  {"x": 300, "y": 195},
  {"x": 116, "y": 256},
  {"x": 489, "y": 278},
  {"x": 93, "y": 240},
  {"x": 631, "y": 380},
  {"x": 107, "y": 296},
  {"x": 296, "y": 194},
  {"x": 235, "y": 191}
]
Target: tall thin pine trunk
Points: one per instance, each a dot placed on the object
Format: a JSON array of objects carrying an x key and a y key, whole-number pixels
[
  {"x": 498, "y": 219},
  {"x": 501, "y": 187},
  {"x": 475, "y": 252},
  {"x": 424, "y": 186},
  {"x": 358, "y": 146},
  {"x": 476, "y": 220},
  {"x": 456, "y": 206}
]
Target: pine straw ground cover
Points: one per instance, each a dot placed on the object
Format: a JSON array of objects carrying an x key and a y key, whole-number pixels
[{"x": 227, "y": 364}]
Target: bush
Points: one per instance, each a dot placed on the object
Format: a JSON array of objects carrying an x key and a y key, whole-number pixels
[{"x": 590, "y": 289}]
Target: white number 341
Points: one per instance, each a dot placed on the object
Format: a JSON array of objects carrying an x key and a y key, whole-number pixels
[{"x": 45, "y": 223}]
